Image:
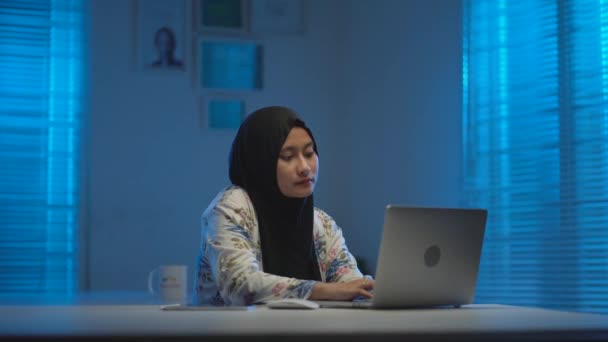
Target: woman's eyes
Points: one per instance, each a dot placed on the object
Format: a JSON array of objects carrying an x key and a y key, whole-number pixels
[{"x": 307, "y": 155}]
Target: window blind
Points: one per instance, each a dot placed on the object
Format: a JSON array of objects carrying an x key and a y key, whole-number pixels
[
  {"x": 535, "y": 144},
  {"x": 42, "y": 45}
]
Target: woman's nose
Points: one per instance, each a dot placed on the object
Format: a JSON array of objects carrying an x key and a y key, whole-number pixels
[{"x": 303, "y": 167}]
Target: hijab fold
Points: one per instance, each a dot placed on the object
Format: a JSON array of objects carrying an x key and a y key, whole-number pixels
[{"x": 285, "y": 224}]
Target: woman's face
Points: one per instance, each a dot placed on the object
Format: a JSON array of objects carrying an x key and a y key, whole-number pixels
[
  {"x": 164, "y": 43},
  {"x": 297, "y": 166}
]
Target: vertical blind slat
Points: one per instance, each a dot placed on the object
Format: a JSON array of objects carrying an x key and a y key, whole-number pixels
[
  {"x": 42, "y": 48},
  {"x": 535, "y": 122}
]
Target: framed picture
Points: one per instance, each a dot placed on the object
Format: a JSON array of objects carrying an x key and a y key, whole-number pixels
[
  {"x": 221, "y": 16},
  {"x": 161, "y": 35},
  {"x": 229, "y": 65},
  {"x": 277, "y": 16},
  {"x": 221, "y": 112}
]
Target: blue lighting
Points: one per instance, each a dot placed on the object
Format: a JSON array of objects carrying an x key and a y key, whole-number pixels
[
  {"x": 535, "y": 147},
  {"x": 42, "y": 60}
]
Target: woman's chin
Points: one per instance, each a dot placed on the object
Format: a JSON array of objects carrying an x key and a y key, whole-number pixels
[{"x": 301, "y": 193}]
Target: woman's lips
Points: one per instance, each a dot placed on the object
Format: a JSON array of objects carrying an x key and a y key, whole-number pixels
[{"x": 308, "y": 181}]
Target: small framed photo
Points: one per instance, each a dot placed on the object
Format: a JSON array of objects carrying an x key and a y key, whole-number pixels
[
  {"x": 221, "y": 16},
  {"x": 229, "y": 65},
  {"x": 277, "y": 16},
  {"x": 222, "y": 112},
  {"x": 161, "y": 35}
]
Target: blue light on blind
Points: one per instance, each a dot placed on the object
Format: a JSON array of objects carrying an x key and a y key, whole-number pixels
[
  {"x": 535, "y": 122},
  {"x": 42, "y": 46}
]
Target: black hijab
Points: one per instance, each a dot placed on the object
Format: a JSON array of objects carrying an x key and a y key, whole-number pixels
[{"x": 285, "y": 224}]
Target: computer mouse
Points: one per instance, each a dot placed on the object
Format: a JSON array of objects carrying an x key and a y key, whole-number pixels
[{"x": 292, "y": 303}]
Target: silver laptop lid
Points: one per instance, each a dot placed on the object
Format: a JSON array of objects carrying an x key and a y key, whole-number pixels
[{"x": 428, "y": 256}]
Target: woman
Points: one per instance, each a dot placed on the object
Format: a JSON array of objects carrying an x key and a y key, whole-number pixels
[{"x": 262, "y": 237}]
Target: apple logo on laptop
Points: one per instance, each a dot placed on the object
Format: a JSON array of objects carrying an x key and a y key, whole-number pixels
[{"x": 432, "y": 256}]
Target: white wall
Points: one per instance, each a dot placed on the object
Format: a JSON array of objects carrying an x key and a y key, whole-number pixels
[
  {"x": 403, "y": 110},
  {"x": 378, "y": 82},
  {"x": 152, "y": 170}
]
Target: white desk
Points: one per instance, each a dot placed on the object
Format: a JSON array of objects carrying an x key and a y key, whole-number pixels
[{"x": 148, "y": 322}]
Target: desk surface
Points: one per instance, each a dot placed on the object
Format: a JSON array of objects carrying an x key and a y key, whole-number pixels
[{"x": 475, "y": 322}]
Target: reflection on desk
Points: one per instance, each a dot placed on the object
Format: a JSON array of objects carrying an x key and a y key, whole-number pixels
[
  {"x": 83, "y": 298},
  {"x": 148, "y": 322}
]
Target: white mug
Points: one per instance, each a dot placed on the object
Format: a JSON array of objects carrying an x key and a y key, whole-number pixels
[{"x": 170, "y": 282}]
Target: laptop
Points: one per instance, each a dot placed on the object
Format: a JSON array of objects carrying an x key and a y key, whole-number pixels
[{"x": 429, "y": 257}]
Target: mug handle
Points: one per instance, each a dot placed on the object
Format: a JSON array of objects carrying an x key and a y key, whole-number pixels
[{"x": 151, "y": 279}]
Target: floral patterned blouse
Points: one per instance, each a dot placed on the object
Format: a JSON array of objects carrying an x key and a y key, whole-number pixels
[{"x": 229, "y": 266}]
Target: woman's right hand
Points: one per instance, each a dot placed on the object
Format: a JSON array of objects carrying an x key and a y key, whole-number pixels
[{"x": 342, "y": 291}]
